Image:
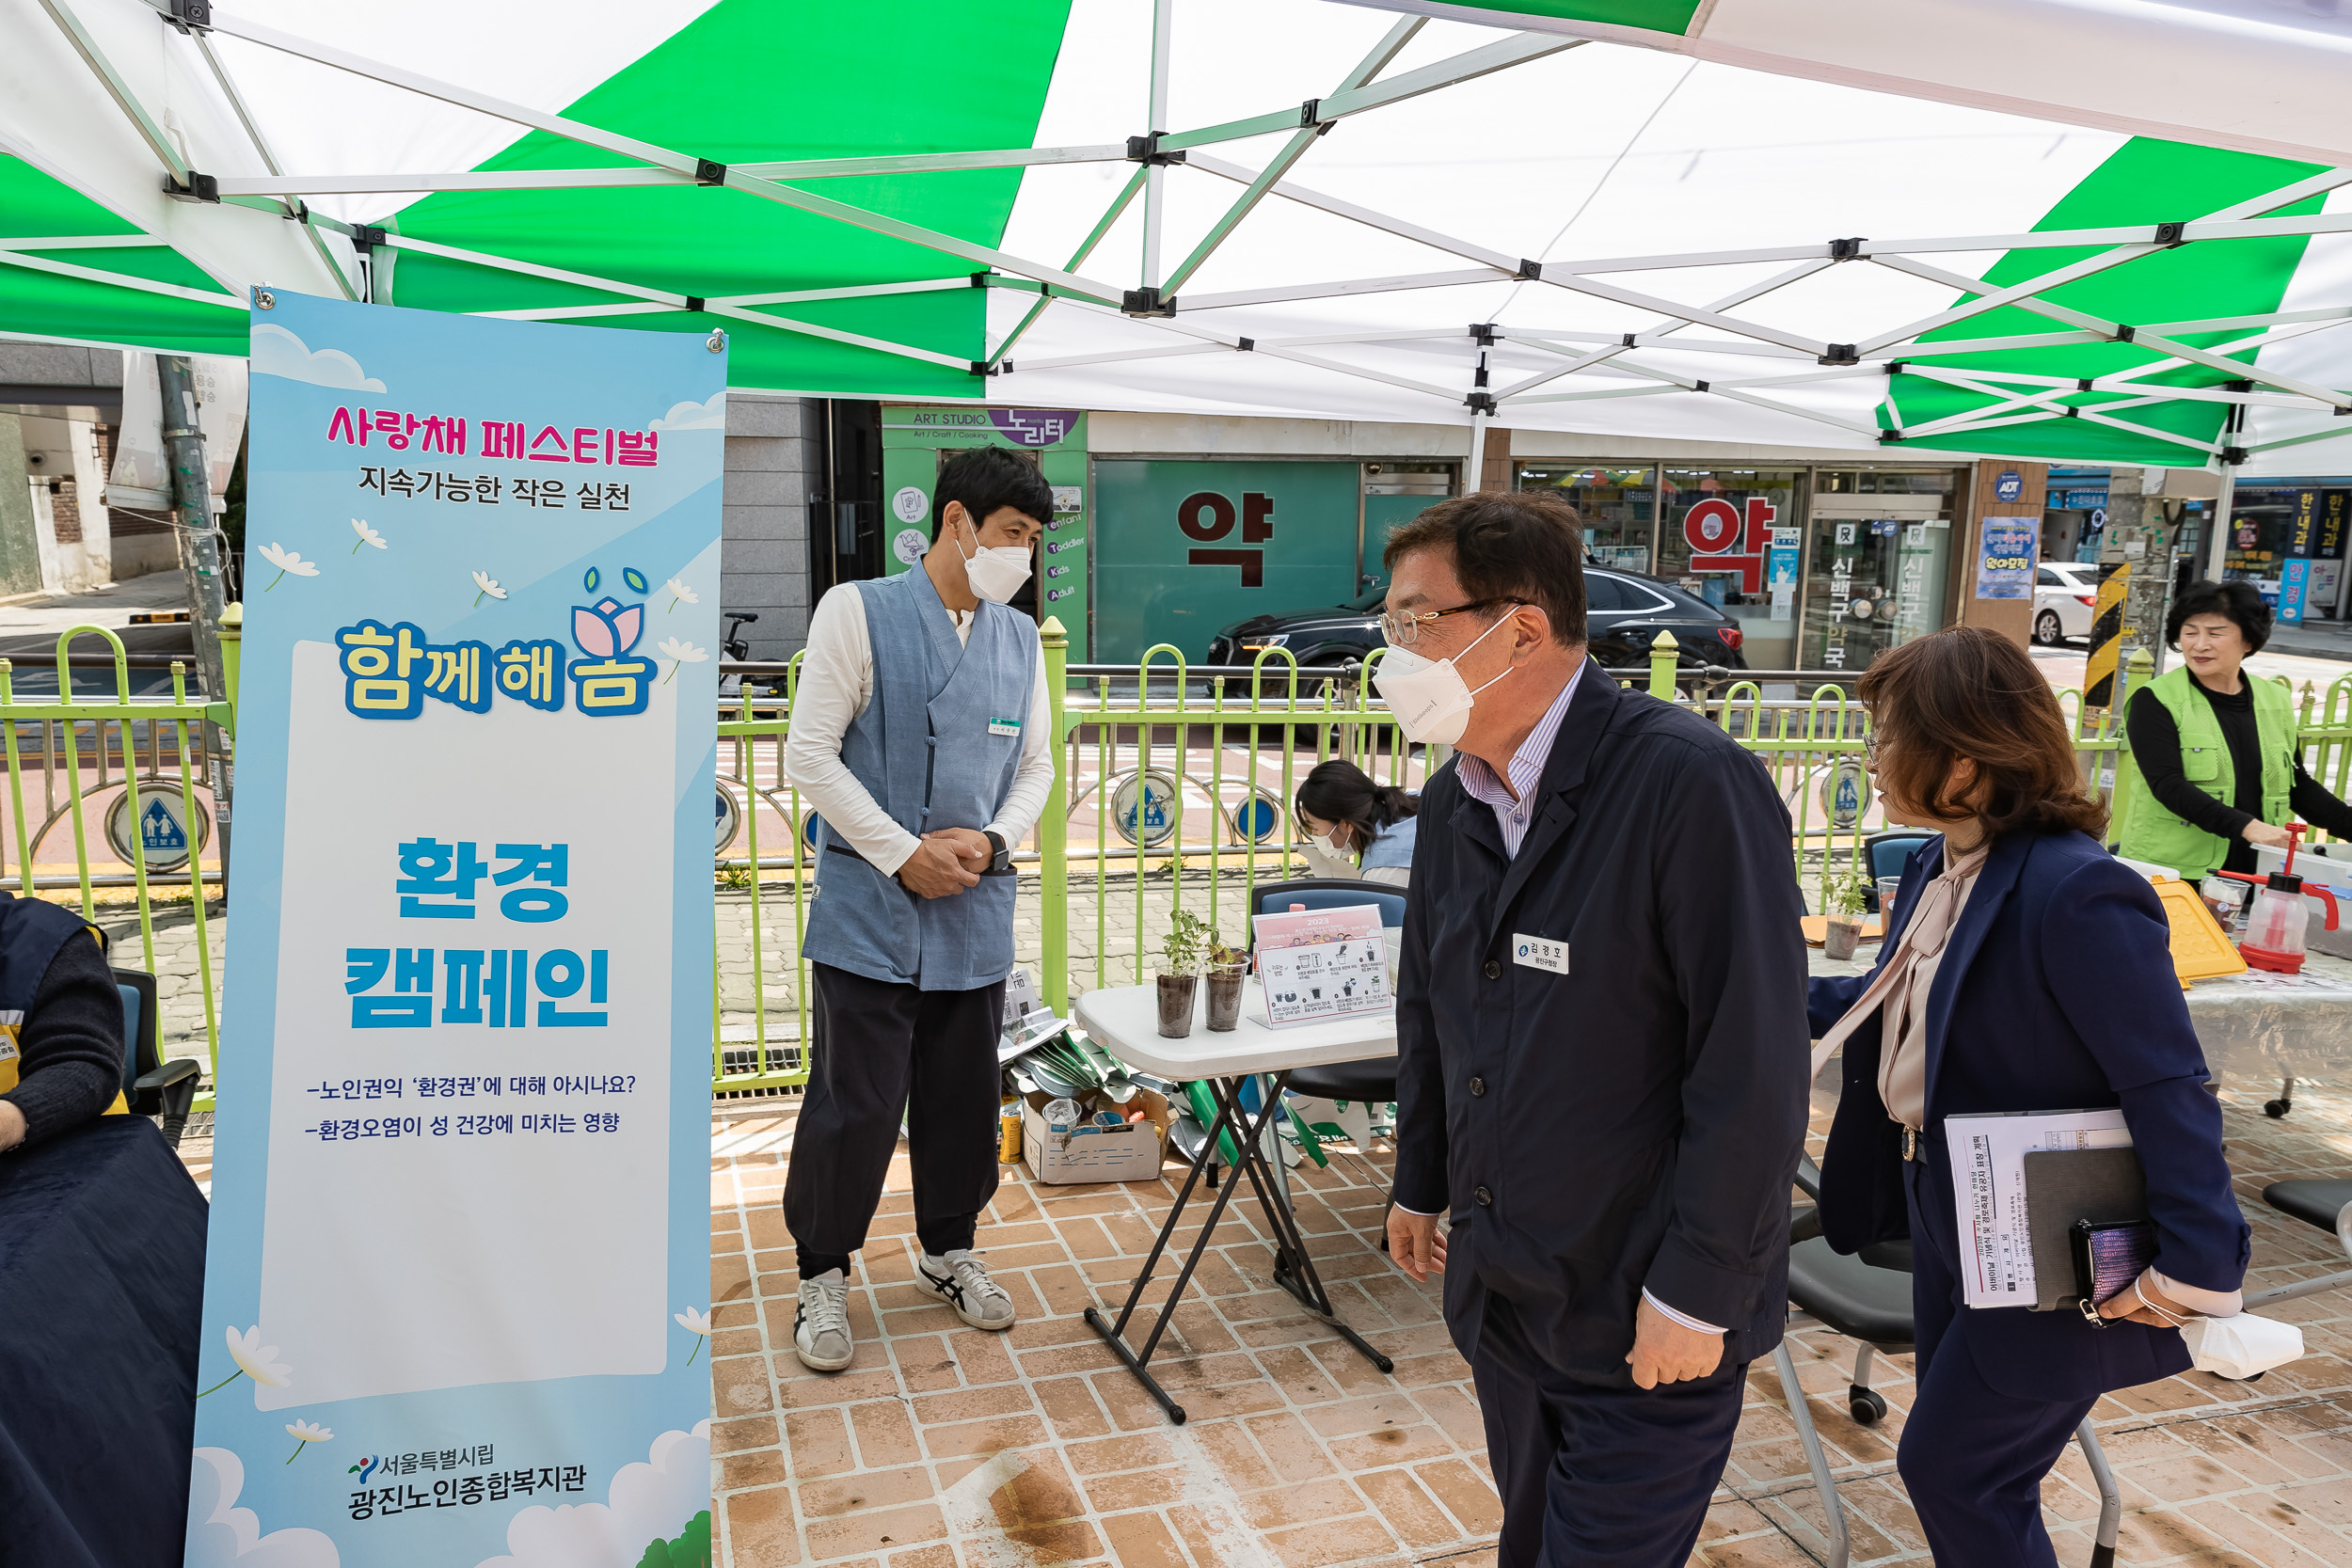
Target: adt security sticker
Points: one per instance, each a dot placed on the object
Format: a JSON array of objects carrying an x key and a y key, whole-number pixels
[{"x": 1540, "y": 953}]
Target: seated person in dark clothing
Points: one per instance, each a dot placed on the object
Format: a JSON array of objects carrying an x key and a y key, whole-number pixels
[
  {"x": 60, "y": 1023},
  {"x": 2214, "y": 769}
]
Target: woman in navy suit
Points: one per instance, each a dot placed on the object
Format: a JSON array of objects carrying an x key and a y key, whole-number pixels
[{"x": 2025, "y": 970}]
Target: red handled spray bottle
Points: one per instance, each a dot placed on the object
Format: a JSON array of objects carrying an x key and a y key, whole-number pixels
[{"x": 2276, "y": 922}]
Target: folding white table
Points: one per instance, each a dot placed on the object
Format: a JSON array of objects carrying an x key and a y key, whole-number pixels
[{"x": 1125, "y": 1020}]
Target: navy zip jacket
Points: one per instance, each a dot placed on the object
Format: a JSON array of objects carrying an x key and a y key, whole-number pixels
[
  {"x": 2055, "y": 992},
  {"x": 1636, "y": 1120}
]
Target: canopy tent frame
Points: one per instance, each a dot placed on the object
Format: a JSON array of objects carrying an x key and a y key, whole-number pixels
[{"x": 1597, "y": 365}]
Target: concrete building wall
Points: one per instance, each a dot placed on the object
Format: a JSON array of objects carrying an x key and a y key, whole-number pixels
[
  {"x": 20, "y": 537},
  {"x": 774, "y": 463}
]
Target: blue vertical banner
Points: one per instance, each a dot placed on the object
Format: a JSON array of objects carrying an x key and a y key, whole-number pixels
[{"x": 457, "y": 1288}]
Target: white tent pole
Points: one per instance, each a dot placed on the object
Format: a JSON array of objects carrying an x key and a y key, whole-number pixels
[
  {"x": 291, "y": 207},
  {"x": 1570, "y": 345},
  {"x": 2217, "y": 548},
  {"x": 1156, "y": 175},
  {"x": 1465, "y": 66},
  {"x": 117, "y": 89},
  {"x": 463, "y": 98},
  {"x": 533, "y": 269},
  {"x": 590, "y": 178},
  {"x": 2154, "y": 341},
  {"x": 1512, "y": 265},
  {"x": 789, "y": 296},
  {"x": 1654, "y": 333},
  {"x": 1988, "y": 298},
  {"x": 931, "y": 239},
  {"x": 810, "y": 329},
  {"x": 1474, "y": 467},
  {"x": 117, "y": 280},
  {"x": 1077, "y": 259},
  {"x": 1295, "y": 148},
  {"x": 1195, "y": 304},
  {"x": 921, "y": 162}
]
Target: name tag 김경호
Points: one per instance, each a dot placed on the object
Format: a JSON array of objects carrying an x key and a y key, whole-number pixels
[{"x": 1540, "y": 953}]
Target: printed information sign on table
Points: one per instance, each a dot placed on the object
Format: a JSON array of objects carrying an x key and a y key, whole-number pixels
[
  {"x": 1321, "y": 963},
  {"x": 456, "y": 1299}
]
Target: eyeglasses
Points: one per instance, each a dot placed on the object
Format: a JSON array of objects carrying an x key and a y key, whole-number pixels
[{"x": 1403, "y": 630}]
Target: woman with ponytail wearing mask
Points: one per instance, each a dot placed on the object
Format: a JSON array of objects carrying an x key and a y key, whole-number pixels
[{"x": 1355, "y": 830}]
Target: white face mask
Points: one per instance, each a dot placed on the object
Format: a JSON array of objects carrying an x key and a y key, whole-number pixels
[
  {"x": 1333, "y": 845},
  {"x": 1431, "y": 701},
  {"x": 994, "y": 572}
]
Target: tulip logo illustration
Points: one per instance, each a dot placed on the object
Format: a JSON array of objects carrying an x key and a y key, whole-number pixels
[{"x": 608, "y": 629}]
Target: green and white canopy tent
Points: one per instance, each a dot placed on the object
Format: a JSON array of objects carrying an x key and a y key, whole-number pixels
[{"x": 2088, "y": 229}]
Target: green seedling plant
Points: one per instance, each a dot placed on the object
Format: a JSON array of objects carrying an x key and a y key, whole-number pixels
[
  {"x": 1182, "y": 948},
  {"x": 1845, "y": 898}
]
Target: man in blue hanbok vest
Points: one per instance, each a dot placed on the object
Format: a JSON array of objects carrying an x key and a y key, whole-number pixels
[{"x": 919, "y": 734}]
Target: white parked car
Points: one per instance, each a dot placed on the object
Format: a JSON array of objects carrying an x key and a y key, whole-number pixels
[{"x": 2065, "y": 593}]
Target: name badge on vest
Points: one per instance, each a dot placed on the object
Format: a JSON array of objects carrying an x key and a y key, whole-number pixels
[
  {"x": 1540, "y": 953},
  {"x": 1004, "y": 726}
]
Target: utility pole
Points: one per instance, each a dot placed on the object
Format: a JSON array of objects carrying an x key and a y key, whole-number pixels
[{"x": 200, "y": 558}]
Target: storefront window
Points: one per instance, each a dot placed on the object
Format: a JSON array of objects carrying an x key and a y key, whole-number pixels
[
  {"x": 1732, "y": 535},
  {"x": 2273, "y": 526},
  {"x": 1882, "y": 562},
  {"x": 1617, "y": 504}
]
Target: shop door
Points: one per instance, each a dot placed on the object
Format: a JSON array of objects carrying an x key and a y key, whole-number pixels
[
  {"x": 1877, "y": 583},
  {"x": 1186, "y": 550}
]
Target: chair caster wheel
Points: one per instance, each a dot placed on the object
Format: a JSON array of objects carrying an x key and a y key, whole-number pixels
[
  {"x": 2277, "y": 1108},
  {"x": 1866, "y": 1405}
]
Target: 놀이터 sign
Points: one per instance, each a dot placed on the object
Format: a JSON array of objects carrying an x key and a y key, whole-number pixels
[{"x": 458, "y": 1272}]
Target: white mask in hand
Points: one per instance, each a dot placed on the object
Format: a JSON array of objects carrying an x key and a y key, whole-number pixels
[
  {"x": 994, "y": 572},
  {"x": 1431, "y": 701}
]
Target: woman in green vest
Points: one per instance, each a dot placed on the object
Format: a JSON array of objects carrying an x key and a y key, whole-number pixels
[{"x": 2213, "y": 769}]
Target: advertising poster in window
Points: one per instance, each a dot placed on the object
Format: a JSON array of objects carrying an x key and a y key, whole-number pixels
[
  {"x": 2009, "y": 547},
  {"x": 458, "y": 1285}
]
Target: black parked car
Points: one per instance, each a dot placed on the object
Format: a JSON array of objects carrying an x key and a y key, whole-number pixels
[{"x": 1625, "y": 611}]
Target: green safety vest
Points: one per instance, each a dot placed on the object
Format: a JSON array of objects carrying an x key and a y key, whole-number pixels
[{"x": 2151, "y": 829}]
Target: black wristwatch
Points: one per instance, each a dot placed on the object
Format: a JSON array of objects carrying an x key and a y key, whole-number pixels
[{"x": 1002, "y": 860}]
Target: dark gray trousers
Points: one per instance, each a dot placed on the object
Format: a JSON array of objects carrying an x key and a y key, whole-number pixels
[{"x": 881, "y": 1048}]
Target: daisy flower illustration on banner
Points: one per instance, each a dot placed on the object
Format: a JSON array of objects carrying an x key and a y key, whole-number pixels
[
  {"x": 255, "y": 1360},
  {"x": 305, "y": 1433},
  {"x": 367, "y": 536},
  {"x": 696, "y": 1323},
  {"x": 287, "y": 561},
  {"x": 489, "y": 585},
  {"x": 679, "y": 653},
  {"x": 680, "y": 591}
]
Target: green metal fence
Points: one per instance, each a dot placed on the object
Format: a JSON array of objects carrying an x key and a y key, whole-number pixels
[
  {"x": 1224, "y": 752},
  {"x": 90, "y": 748}
]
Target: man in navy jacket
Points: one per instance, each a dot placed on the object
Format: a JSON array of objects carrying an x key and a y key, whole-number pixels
[{"x": 1601, "y": 1043}]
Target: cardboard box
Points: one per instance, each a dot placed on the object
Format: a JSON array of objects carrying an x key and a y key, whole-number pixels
[{"x": 1130, "y": 1154}]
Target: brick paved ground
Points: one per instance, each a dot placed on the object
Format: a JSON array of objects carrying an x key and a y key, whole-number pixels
[{"x": 945, "y": 1446}]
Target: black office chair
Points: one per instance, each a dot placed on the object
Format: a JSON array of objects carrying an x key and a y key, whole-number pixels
[
  {"x": 1885, "y": 852},
  {"x": 2323, "y": 1203},
  {"x": 1866, "y": 1298},
  {"x": 152, "y": 1085}
]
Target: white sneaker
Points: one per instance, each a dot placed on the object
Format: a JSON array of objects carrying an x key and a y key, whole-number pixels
[
  {"x": 820, "y": 1329},
  {"x": 960, "y": 1280}
]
